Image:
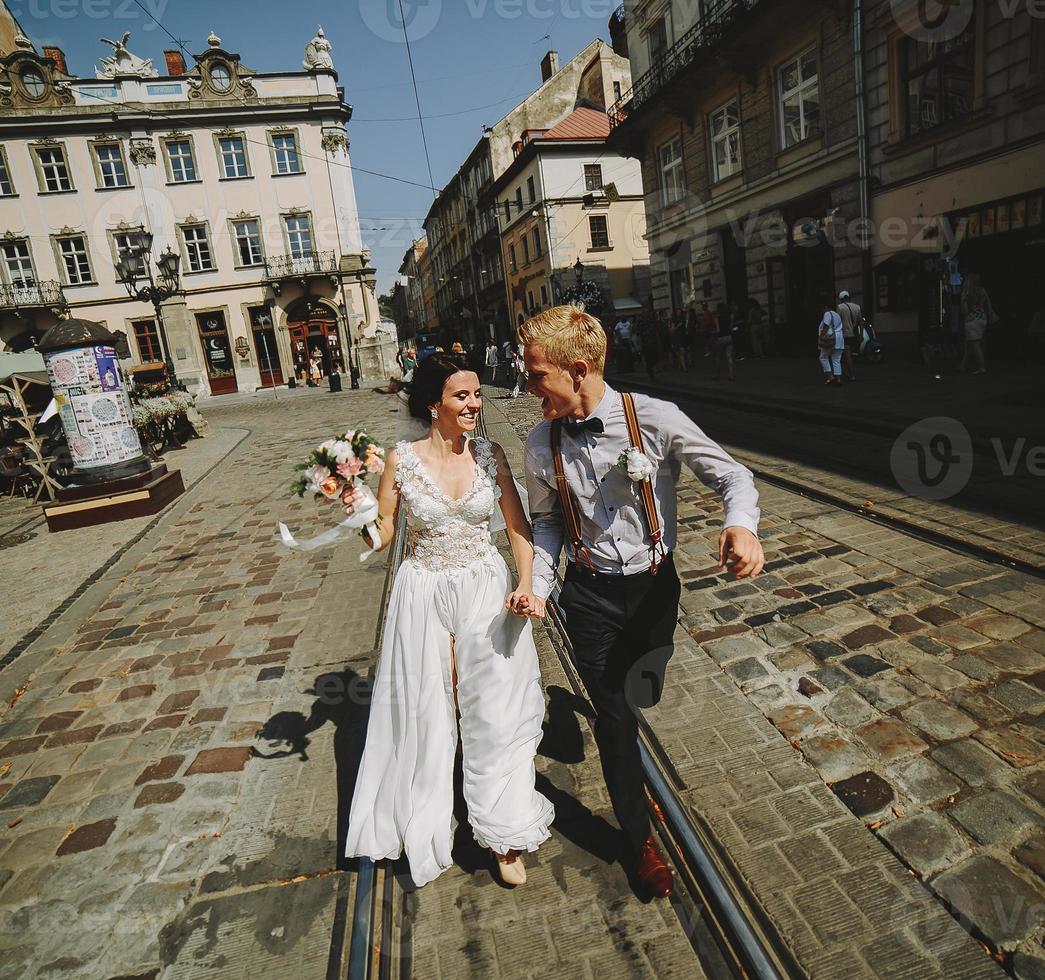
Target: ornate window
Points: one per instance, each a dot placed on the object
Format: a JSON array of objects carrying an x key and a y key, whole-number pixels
[
  {"x": 18, "y": 262},
  {"x": 73, "y": 259},
  {"x": 299, "y": 235},
  {"x": 6, "y": 187},
  {"x": 537, "y": 250},
  {"x": 197, "y": 248},
  {"x": 53, "y": 170},
  {"x": 232, "y": 150},
  {"x": 247, "y": 233},
  {"x": 799, "y": 93},
  {"x": 181, "y": 164},
  {"x": 725, "y": 140},
  {"x": 285, "y": 154},
  {"x": 112, "y": 171},
  {"x": 220, "y": 76},
  {"x": 34, "y": 83}
]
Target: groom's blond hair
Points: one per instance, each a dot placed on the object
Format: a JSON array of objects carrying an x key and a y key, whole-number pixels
[{"x": 567, "y": 334}]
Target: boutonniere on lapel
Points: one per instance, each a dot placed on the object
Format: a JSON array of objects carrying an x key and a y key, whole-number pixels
[{"x": 635, "y": 465}]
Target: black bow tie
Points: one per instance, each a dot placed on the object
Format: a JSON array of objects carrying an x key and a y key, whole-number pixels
[{"x": 585, "y": 425}]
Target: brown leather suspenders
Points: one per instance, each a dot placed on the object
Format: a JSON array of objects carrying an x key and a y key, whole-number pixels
[
  {"x": 568, "y": 505},
  {"x": 649, "y": 504}
]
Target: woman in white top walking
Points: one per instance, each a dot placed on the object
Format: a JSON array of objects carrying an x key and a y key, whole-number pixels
[{"x": 832, "y": 342}]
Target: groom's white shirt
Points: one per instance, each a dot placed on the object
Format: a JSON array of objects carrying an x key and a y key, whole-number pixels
[{"x": 609, "y": 503}]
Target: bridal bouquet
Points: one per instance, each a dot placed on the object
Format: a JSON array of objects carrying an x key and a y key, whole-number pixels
[
  {"x": 334, "y": 464},
  {"x": 332, "y": 467}
]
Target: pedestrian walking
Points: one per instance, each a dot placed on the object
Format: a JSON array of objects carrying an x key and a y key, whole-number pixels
[
  {"x": 625, "y": 346},
  {"x": 492, "y": 359},
  {"x": 519, "y": 370},
  {"x": 852, "y": 323},
  {"x": 723, "y": 342},
  {"x": 977, "y": 315},
  {"x": 621, "y": 590},
  {"x": 457, "y": 652},
  {"x": 831, "y": 342}
]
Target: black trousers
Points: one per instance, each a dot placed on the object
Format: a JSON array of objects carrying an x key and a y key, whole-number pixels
[{"x": 622, "y": 628}]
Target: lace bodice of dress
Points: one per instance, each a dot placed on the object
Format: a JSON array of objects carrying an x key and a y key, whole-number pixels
[{"x": 444, "y": 533}]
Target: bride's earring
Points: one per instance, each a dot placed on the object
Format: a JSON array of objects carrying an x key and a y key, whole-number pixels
[{"x": 435, "y": 415}]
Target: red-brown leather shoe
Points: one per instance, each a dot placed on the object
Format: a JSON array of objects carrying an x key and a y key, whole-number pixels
[{"x": 653, "y": 873}]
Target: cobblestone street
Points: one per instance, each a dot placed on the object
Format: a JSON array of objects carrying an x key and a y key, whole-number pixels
[{"x": 859, "y": 728}]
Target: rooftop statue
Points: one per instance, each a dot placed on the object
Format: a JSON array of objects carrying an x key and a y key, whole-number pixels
[
  {"x": 317, "y": 52},
  {"x": 122, "y": 62}
]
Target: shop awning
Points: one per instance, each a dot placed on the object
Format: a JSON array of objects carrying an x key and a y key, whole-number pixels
[{"x": 626, "y": 304}]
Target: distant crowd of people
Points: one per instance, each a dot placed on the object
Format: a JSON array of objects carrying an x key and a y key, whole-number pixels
[{"x": 729, "y": 333}]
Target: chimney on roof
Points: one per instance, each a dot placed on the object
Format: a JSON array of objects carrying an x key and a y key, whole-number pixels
[
  {"x": 549, "y": 65},
  {"x": 57, "y": 55},
  {"x": 175, "y": 63}
]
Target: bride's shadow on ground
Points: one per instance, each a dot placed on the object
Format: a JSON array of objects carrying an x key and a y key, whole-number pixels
[{"x": 343, "y": 700}]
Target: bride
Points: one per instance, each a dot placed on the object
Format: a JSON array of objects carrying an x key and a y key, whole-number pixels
[{"x": 457, "y": 641}]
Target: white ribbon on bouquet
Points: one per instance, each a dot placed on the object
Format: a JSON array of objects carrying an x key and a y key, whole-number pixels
[{"x": 364, "y": 515}]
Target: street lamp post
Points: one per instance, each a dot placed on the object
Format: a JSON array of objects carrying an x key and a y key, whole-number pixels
[{"x": 134, "y": 264}]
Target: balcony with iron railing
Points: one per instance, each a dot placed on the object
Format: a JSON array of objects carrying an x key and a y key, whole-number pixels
[
  {"x": 301, "y": 264},
  {"x": 23, "y": 296},
  {"x": 722, "y": 20}
]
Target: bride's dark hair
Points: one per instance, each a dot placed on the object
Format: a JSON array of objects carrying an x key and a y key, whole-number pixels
[{"x": 430, "y": 376}]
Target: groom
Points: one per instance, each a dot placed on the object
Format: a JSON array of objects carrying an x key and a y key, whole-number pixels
[{"x": 621, "y": 591}]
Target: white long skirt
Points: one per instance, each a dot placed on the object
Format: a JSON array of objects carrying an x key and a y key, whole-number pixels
[{"x": 404, "y": 791}]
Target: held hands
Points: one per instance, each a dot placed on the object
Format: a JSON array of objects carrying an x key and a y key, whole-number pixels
[
  {"x": 741, "y": 552},
  {"x": 523, "y": 602}
]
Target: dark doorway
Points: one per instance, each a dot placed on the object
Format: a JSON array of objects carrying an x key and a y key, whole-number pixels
[
  {"x": 217, "y": 352},
  {"x": 265, "y": 348}
]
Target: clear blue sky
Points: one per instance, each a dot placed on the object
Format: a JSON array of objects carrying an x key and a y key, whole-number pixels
[{"x": 474, "y": 59}]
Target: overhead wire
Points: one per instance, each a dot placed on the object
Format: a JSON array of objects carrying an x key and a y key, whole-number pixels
[{"x": 417, "y": 97}]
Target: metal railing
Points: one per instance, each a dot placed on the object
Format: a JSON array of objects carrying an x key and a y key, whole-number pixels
[
  {"x": 305, "y": 264},
  {"x": 718, "y": 19},
  {"x": 31, "y": 294}
]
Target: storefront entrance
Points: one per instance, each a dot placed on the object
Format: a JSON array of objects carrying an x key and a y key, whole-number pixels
[
  {"x": 217, "y": 352},
  {"x": 265, "y": 346},
  {"x": 313, "y": 330}
]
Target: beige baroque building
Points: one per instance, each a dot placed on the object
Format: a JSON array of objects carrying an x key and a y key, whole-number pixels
[
  {"x": 567, "y": 199},
  {"x": 244, "y": 174}
]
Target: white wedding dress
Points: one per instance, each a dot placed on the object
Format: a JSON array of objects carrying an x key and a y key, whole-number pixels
[{"x": 453, "y": 584}]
